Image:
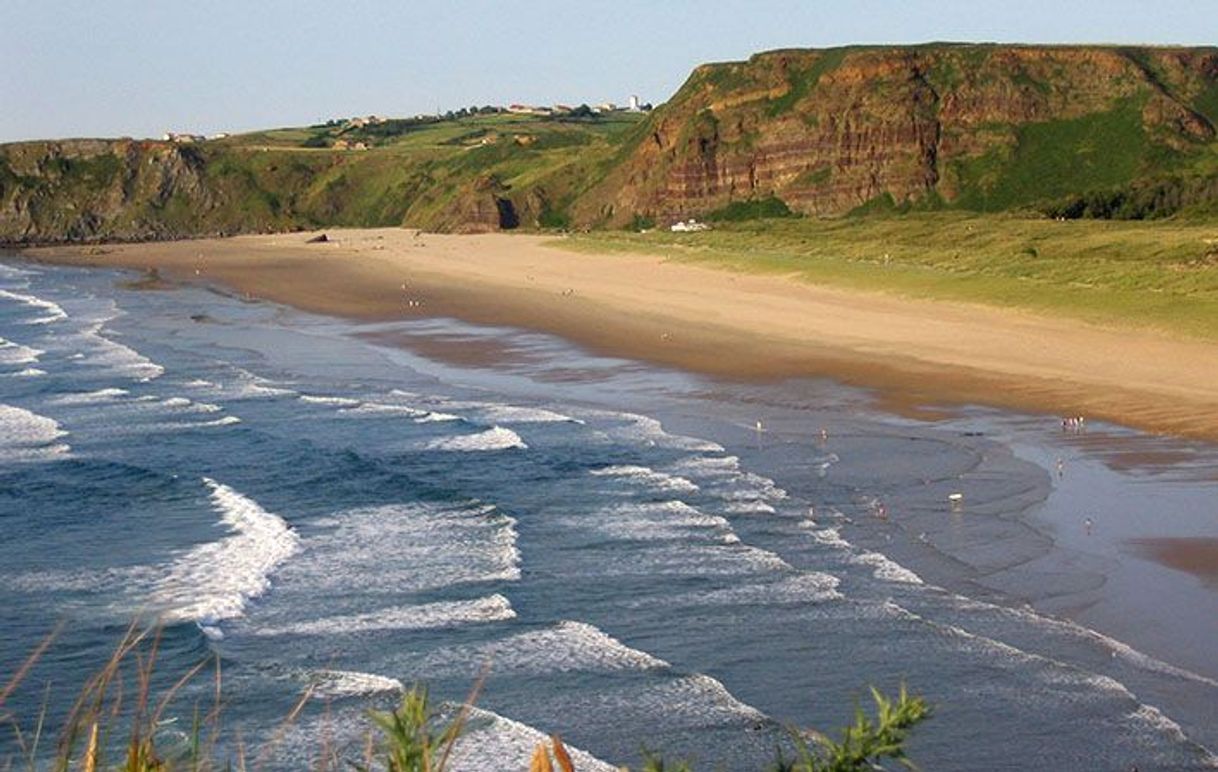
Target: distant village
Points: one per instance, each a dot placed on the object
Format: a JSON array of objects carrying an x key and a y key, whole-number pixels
[{"x": 633, "y": 105}]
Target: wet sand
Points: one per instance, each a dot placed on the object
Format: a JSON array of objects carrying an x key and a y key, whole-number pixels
[
  {"x": 1197, "y": 556},
  {"x": 914, "y": 352}
]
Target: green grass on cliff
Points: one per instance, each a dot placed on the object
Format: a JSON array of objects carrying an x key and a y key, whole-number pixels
[
  {"x": 803, "y": 81},
  {"x": 1055, "y": 158},
  {"x": 1161, "y": 275},
  {"x": 416, "y": 176},
  {"x": 415, "y": 173}
]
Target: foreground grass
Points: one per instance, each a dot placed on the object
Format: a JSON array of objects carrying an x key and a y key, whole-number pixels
[
  {"x": 118, "y": 717},
  {"x": 1161, "y": 275}
]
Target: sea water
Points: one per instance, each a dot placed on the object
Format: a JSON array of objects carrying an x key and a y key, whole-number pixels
[{"x": 630, "y": 557}]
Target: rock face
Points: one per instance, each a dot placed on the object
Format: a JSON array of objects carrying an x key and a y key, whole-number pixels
[
  {"x": 79, "y": 190},
  {"x": 985, "y": 127},
  {"x": 482, "y": 206},
  {"x": 980, "y": 127}
]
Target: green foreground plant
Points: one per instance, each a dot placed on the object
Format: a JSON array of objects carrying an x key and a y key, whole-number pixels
[{"x": 415, "y": 736}]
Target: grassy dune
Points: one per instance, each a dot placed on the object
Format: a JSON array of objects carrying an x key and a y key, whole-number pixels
[{"x": 1161, "y": 275}]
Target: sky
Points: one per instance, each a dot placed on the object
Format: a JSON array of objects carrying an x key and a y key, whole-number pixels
[{"x": 100, "y": 68}]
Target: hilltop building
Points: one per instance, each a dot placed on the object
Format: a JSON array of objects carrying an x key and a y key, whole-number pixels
[{"x": 182, "y": 139}]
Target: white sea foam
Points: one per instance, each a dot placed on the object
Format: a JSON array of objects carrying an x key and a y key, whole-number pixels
[
  {"x": 750, "y": 487},
  {"x": 568, "y": 646},
  {"x": 350, "y": 683},
  {"x": 409, "y": 547},
  {"x": 649, "y": 477},
  {"x": 227, "y": 420},
  {"x": 1151, "y": 718},
  {"x": 648, "y": 520},
  {"x": 114, "y": 356},
  {"x": 742, "y": 493},
  {"x": 886, "y": 568},
  {"x": 821, "y": 464},
  {"x": 191, "y": 406},
  {"x": 493, "y": 413},
  {"x": 495, "y": 438},
  {"x": 1058, "y": 676},
  {"x": 323, "y": 400},
  {"x": 708, "y": 466},
  {"x": 250, "y": 386},
  {"x": 650, "y": 432},
  {"x": 749, "y": 507},
  {"x": 52, "y": 312},
  {"x": 805, "y": 587},
  {"x": 427, "y": 616},
  {"x": 701, "y": 700},
  {"x": 13, "y": 272},
  {"x": 17, "y": 354},
  {"x": 214, "y": 581},
  {"x": 434, "y": 417},
  {"x": 1118, "y": 649},
  {"x": 27, "y": 436},
  {"x": 382, "y": 409},
  {"x": 80, "y": 580},
  {"x": 696, "y": 702},
  {"x": 683, "y": 558},
  {"x": 830, "y": 537},
  {"x": 28, "y": 372},
  {"x": 492, "y": 743},
  {"x": 101, "y": 396},
  {"x": 169, "y": 427}
]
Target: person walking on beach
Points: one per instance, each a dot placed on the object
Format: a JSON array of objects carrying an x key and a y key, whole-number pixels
[{"x": 1087, "y": 525}]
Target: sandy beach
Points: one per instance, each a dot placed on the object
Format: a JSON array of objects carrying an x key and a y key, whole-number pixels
[{"x": 915, "y": 353}]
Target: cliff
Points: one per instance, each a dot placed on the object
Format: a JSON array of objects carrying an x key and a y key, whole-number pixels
[
  {"x": 975, "y": 126},
  {"x": 1073, "y": 130},
  {"x": 476, "y": 174}
]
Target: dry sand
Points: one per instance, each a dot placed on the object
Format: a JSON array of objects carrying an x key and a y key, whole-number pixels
[{"x": 712, "y": 321}]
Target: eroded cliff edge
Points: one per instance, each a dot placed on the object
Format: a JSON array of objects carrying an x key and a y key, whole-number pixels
[{"x": 819, "y": 132}]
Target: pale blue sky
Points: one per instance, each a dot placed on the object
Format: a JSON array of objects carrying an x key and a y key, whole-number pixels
[{"x": 138, "y": 67}]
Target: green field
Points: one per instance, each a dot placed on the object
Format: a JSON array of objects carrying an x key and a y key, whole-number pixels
[{"x": 1161, "y": 274}]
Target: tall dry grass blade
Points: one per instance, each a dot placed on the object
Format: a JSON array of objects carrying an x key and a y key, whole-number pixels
[
  {"x": 541, "y": 759},
  {"x": 91, "y": 750},
  {"x": 212, "y": 719},
  {"x": 327, "y": 739},
  {"x": 458, "y": 725},
  {"x": 90, "y": 703},
  {"x": 172, "y": 691},
  {"x": 30, "y": 661},
  {"x": 561, "y": 756},
  {"x": 42, "y": 716},
  {"x": 240, "y": 752},
  {"x": 368, "y": 750},
  {"x": 283, "y": 727},
  {"x": 20, "y": 740}
]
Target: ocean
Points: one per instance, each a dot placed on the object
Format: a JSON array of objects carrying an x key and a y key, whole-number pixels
[{"x": 635, "y": 557}]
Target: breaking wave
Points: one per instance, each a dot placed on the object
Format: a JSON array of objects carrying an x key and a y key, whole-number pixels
[{"x": 213, "y": 582}]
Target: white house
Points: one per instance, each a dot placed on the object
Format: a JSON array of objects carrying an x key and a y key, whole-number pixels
[{"x": 689, "y": 226}]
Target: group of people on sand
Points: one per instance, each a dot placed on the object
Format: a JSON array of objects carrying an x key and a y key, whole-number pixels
[{"x": 1074, "y": 423}]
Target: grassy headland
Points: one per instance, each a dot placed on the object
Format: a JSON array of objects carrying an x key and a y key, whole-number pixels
[
  {"x": 1161, "y": 275},
  {"x": 1075, "y": 131}
]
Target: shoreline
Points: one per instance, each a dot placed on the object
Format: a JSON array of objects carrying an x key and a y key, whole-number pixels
[
  {"x": 1154, "y": 620},
  {"x": 914, "y": 353}
]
